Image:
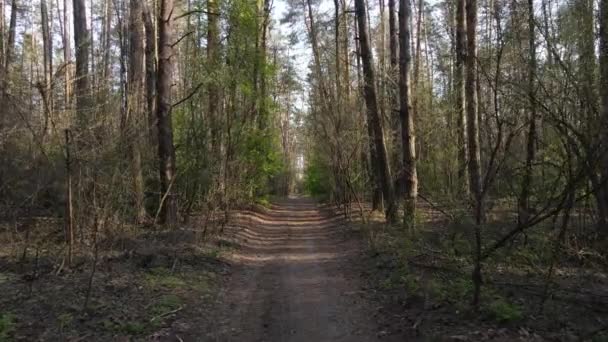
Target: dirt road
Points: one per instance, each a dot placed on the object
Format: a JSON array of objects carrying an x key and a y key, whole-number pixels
[{"x": 295, "y": 280}]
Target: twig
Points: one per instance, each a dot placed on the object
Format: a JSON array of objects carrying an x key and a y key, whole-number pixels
[
  {"x": 166, "y": 314},
  {"x": 192, "y": 93}
]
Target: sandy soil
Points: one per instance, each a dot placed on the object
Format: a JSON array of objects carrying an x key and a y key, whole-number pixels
[{"x": 295, "y": 278}]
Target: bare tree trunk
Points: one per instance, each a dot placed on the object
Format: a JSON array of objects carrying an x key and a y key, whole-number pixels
[
  {"x": 408, "y": 139},
  {"x": 2, "y": 28},
  {"x": 373, "y": 167},
  {"x": 135, "y": 105},
  {"x": 47, "y": 43},
  {"x": 166, "y": 150},
  {"x": 69, "y": 209},
  {"x": 337, "y": 58},
  {"x": 372, "y": 109},
  {"x": 473, "y": 135},
  {"x": 12, "y": 29},
  {"x": 82, "y": 43},
  {"x": 603, "y": 88},
  {"x": 263, "y": 106},
  {"x": 213, "y": 32},
  {"x": 107, "y": 24},
  {"x": 524, "y": 198},
  {"x": 459, "y": 91},
  {"x": 67, "y": 56},
  {"x": 393, "y": 34},
  {"x": 393, "y": 93},
  {"x": 150, "y": 74}
]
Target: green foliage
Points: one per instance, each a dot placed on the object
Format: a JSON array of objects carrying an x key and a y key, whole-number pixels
[
  {"x": 261, "y": 154},
  {"x": 504, "y": 311},
  {"x": 161, "y": 277},
  {"x": 316, "y": 178},
  {"x": 165, "y": 304},
  {"x": 7, "y": 326}
]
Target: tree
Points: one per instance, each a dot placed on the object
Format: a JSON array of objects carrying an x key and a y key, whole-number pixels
[
  {"x": 603, "y": 87},
  {"x": 166, "y": 149},
  {"x": 82, "y": 43},
  {"x": 373, "y": 113},
  {"x": 459, "y": 91},
  {"x": 136, "y": 104},
  {"x": 473, "y": 138},
  {"x": 408, "y": 142}
]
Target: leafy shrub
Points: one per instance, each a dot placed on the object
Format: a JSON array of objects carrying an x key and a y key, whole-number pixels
[
  {"x": 316, "y": 178},
  {"x": 7, "y": 326},
  {"x": 503, "y": 311}
]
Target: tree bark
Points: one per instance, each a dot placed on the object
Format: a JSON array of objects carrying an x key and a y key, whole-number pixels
[
  {"x": 166, "y": 149},
  {"x": 136, "y": 104},
  {"x": 524, "y": 198},
  {"x": 150, "y": 74},
  {"x": 473, "y": 137},
  {"x": 47, "y": 44},
  {"x": 459, "y": 91},
  {"x": 603, "y": 88},
  {"x": 10, "y": 44},
  {"x": 82, "y": 43},
  {"x": 371, "y": 102},
  {"x": 408, "y": 139},
  {"x": 213, "y": 32}
]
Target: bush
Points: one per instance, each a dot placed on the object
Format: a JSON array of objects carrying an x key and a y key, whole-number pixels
[{"x": 316, "y": 179}]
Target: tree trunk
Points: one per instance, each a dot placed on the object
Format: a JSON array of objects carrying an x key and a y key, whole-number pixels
[
  {"x": 47, "y": 43},
  {"x": 67, "y": 57},
  {"x": 263, "y": 106},
  {"x": 213, "y": 32},
  {"x": 603, "y": 87},
  {"x": 371, "y": 102},
  {"x": 82, "y": 43},
  {"x": 473, "y": 135},
  {"x": 459, "y": 91},
  {"x": 524, "y": 198},
  {"x": 10, "y": 44},
  {"x": 150, "y": 74},
  {"x": 136, "y": 104},
  {"x": 408, "y": 139},
  {"x": 166, "y": 150},
  {"x": 373, "y": 167}
]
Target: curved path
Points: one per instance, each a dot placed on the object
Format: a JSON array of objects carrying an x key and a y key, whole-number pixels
[{"x": 295, "y": 279}]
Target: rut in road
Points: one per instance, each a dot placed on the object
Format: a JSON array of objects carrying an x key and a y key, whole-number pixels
[{"x": 295, "y": 279}]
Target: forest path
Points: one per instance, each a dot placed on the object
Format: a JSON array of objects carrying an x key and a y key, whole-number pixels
[{"x": 295, "y": 278}]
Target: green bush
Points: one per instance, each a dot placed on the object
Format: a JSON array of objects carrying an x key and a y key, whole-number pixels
[
  {"x": 7, "y": 326},
  {"x": 316, "y": 179},
  {"x": 503, "y": 311}
]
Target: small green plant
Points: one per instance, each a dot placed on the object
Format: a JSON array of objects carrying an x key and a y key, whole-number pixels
[
  {"x": 503, "y": 311},
  {"x": 165, "y": 304},
  {"x": 7, "y": 326},
  {"x": 161, "y": 277},
  {"x": 65, "y": 320},
  {"x": 129, "y": 327}
]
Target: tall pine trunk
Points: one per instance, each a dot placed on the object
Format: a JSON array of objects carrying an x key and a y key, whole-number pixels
[
  {"x": 135, "y": 105},
  {"x": 166, "y": 149},
  {"x": 82, "y": 44},
  {"x": 473, "y": 137},
  {"x": 371, "y": 102},
  {"x": 459, "y": 91},
  {"x": 408, "y": 140},
  {"x": 603, "y": 87}
]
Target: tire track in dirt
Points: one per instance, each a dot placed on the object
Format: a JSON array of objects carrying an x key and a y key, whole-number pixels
[{"x": 294, "y": 279}]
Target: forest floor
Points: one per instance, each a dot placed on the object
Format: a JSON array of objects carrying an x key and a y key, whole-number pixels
[{"x": 293, "y": 271}]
